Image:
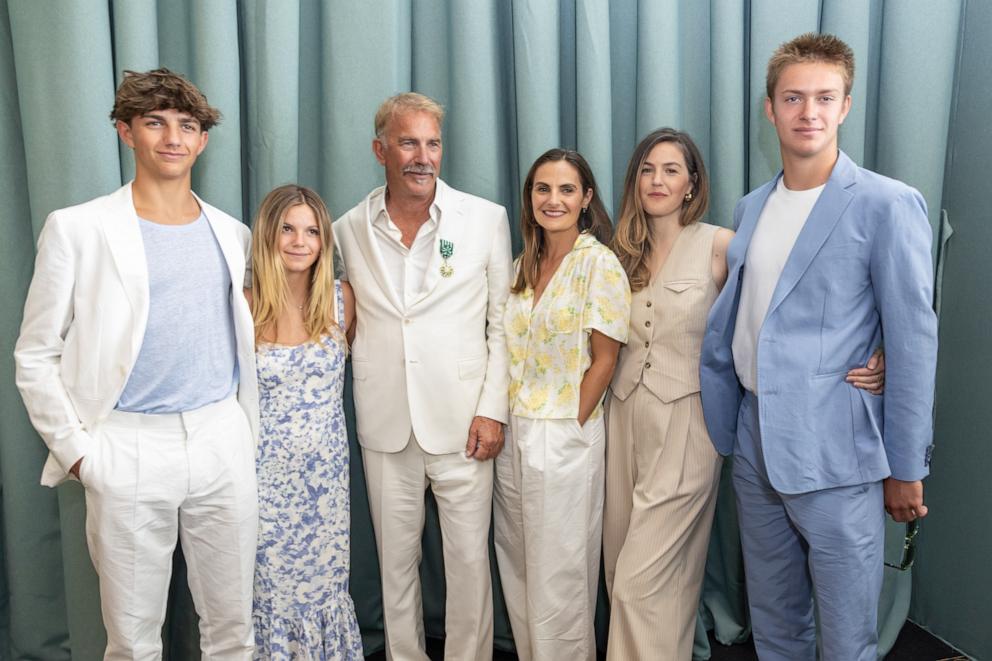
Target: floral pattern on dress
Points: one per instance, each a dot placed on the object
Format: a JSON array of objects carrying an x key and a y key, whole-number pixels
[
  {"x": 548, "y": 344},
  {"x": 301, "y": 606}
]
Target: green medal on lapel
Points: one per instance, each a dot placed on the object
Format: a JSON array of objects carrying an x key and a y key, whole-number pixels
[{"x": 447, "y": 250}]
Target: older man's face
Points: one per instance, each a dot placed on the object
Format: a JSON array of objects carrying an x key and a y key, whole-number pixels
[{"x": 410, "y": 150}]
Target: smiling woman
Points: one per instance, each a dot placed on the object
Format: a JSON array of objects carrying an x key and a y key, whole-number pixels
[
  {"x": 565, "y": 320},
  {"x": 298, "y": 84}
]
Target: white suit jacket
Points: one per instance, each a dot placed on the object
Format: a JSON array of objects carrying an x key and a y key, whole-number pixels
[
  {"x": 434, "y": 366},
  {"x": 85, "y": 315}
]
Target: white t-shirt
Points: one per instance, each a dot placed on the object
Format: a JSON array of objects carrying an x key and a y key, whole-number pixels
[{"x": 779, "y": 224}]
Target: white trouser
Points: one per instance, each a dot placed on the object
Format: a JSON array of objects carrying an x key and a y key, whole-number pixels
[
  {"x": 463, "y": 490},
  {"x": 548, "y": 529},
  {"x": 149, "y": 479}
]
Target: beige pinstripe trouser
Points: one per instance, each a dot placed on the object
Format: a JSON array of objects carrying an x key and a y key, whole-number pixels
[{"x": 661, "y": 479}]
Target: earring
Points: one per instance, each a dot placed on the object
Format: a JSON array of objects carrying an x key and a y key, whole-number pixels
[{"x": 688, "y": 196}]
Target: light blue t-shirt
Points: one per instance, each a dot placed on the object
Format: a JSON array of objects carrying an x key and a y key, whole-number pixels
[{"x": 188, "y": 356}]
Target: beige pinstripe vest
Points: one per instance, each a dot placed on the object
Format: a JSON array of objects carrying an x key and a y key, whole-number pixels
[{"x": 667, "y": 321}]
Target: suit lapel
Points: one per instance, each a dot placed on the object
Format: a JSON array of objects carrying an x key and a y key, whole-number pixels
[
  {"x": 365, "y": 239},
  {"x": 230, "y": 246},
  {"x": 123, "y": 235},
  {"x": 828, "y": 209},
  {"x": 449, "y": 228}
]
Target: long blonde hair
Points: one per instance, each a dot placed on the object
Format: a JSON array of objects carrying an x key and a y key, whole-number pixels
[
  {"x": 270, "y": 292},
  {"x": 634, "y": 239}
]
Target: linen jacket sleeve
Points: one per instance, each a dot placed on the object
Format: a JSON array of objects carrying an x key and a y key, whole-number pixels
[
  {"x": 494, "y": 401},
  {"x": 902, "y": 278},
  {"x": 48, "y": 318}
]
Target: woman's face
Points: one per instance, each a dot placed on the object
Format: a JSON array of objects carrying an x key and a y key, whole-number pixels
[
  {"x": 664, "y": 181},
  {"x": 299, "y": 239},
  {"x": 557, "y": 197}
]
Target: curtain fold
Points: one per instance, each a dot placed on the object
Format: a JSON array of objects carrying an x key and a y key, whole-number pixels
[{"x": 298, "y": 83}]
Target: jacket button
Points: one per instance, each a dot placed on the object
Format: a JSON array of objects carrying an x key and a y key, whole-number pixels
[
  {"x": 647, "y": 345},
  {"x": 649, "y": 303},
  {"x": 647, "y": 323},
  {"x": 647, "y": 366}
]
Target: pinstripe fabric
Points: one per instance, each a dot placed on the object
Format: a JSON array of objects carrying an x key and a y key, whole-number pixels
[{"x": 661, "y": 468}]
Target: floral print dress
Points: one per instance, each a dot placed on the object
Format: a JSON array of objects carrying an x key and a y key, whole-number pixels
[{"x": 302, "y": 608}]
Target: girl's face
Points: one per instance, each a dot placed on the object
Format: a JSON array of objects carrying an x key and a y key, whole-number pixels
[{"x": 299, "y": 239}]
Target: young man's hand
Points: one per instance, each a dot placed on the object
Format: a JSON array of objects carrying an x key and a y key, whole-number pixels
[{"x": 904, "y": 500}]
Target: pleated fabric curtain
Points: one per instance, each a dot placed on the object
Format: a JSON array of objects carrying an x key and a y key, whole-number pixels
[{"x": 298, "y": 82}]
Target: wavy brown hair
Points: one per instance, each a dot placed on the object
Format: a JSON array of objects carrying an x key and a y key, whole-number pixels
[
  {"x": 594, "y": 220},
  {"x": 160, "y": 89},
  {"x": 270, "y": 292},
  {"x": 634, "y": 239}
]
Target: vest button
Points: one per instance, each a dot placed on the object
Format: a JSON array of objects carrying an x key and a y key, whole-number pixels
[
  {"x": 647, "y": 323},
  {"x": 647, "y": 345},
  {"x": 649, "y": 303}
]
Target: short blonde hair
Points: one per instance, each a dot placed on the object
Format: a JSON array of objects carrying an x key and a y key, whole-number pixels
[
  {"x": 406, "y": 102},
  {"x": 811, "y": 47}
]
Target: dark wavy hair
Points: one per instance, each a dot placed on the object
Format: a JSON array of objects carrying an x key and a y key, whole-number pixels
[{"x": 595, "y": 220}]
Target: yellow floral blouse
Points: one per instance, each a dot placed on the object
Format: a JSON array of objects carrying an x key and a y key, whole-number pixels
[{"x": 549, "y": 344}]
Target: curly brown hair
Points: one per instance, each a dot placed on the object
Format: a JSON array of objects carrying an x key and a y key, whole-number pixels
[{"x": 160, "y": 89}]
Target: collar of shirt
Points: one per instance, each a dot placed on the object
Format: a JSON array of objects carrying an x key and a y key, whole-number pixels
[{"x": 384, "y": 224}]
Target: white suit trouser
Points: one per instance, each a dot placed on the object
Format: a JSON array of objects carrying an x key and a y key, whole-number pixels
[
  {"x": 548, "y": 530},
  {"x": 151, "y": 479},
  {"x": 463, "y": 490}
]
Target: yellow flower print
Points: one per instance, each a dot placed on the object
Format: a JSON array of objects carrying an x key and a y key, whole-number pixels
[
  {"x": 563, "y": 319},
  {"x": 517, "y": 353},
  {"x": 570, "y": 357},
  {"x": 536, "y": 398},
  {"x": 542, "y": 361},
  {"x": 519, "y": 324},
  {"x": 566, "y": 395}
]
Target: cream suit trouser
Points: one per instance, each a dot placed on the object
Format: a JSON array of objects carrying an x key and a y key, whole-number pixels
[
  {"x": 463, "y": 490},
  {"x": 548, "y": 524},
  {"x": 662, "y": 474},
  {"x": 149, "y": 479}
]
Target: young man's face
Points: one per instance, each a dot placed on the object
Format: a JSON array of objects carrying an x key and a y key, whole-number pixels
[
  {"x": 165, "y": 143},
  {"x": 808, "y": 106},
  {"x": 410, "y": 150}
]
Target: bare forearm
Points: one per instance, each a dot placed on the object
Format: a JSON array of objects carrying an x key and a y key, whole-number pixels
[{"x": 594, "y": 384}]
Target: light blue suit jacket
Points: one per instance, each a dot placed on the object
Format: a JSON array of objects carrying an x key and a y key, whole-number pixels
[{"x": 860, "y": 272}]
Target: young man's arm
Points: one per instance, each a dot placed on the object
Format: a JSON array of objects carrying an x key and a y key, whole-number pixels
[
  {"x": 902, "y": 278},
  {"x": 48, "y": 315}
]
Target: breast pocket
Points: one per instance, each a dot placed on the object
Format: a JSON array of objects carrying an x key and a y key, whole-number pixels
[
  {"x": 680, "y": 300},
  {"x": 564, "y": 314}
]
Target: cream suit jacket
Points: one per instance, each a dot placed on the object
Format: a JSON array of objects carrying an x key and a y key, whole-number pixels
[
  {"x": 85, "y": 315},
  {"x": 433, "y": 366}
]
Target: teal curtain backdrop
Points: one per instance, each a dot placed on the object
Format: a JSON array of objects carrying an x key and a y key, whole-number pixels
[{"x": 298, "y": 82}]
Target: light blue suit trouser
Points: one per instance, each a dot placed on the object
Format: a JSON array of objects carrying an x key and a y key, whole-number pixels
[{"x": 828, "y": 542}]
